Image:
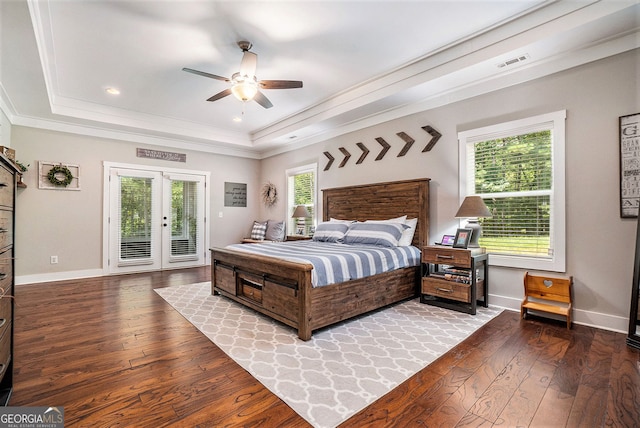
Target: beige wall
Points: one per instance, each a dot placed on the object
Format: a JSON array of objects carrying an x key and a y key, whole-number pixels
[
  {"x": 69, "y": 224},
  {"x": 600, "y": 245}
]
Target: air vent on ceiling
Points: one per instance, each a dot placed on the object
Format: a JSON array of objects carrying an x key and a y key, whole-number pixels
[{"x": 515, "y": 60}]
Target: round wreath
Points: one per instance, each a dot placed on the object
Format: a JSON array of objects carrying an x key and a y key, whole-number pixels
[
  {"x": 60, "y": 175},
  {"x": 269, "y": 194}
]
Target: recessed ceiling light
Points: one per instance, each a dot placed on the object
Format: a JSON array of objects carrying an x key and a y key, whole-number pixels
[
  {"x": 112, "y": 91},
  {"x": 237, "y": 119}
]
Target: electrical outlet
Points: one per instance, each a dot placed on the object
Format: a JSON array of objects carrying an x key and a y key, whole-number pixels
[{"x": 54, "y": 260}]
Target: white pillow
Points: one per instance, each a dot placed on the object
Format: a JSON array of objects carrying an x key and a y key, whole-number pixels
[
  {"x": 336, "y": 220},
  {"x": 400, "y": 219},
  {"x": 407, "y": 235}
]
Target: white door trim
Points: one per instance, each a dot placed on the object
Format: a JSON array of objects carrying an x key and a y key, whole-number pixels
[{"x": 106, "y": 168}]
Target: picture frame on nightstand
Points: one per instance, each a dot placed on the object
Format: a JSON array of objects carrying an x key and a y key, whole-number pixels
[{"x": 463, "y": 236}]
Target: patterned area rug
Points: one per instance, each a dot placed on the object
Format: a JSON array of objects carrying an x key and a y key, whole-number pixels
[{"x": 343, "y": 368}]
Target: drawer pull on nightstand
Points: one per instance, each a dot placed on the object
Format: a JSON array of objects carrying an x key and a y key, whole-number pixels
[
  {"x": 3, "y": 276},
  {"x": 3, "y": 321},
  {"x": 4, "y": 185},
  {"x": 440, "y": 256},
  {"x": 445, "y": 290}
]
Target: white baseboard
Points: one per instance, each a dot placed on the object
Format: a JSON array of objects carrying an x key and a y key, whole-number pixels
[
  {"x": 58, "y": 276},
  {"x": 580, "y": 316}
]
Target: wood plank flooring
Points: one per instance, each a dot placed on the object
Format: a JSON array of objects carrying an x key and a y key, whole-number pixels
[{"x": 114, "y": 353}]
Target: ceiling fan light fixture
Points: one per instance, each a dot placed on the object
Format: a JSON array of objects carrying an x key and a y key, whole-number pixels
[
  {"x": 244, "y": 84},
  {"x": 244, "y": 89}
]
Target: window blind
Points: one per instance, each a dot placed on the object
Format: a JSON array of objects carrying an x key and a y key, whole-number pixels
[
  {"x": 184, "y": 218},
  {"x": 135, "y": 218},
  {"x": 513, "y": 174}
]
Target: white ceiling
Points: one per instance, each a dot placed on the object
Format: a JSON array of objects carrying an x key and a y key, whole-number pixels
[{"x": 362, "y": 62}]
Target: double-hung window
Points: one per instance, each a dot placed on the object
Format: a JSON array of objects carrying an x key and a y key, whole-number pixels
[
  {"x": 517, "y": 168},
  {"x": 301, "y": 190}
]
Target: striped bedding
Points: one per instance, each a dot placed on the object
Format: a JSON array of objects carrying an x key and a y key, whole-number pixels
[{"x": 334, "y": 262}]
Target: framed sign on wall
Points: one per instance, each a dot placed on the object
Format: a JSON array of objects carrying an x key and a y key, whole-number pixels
[
  {"x": 629, "y": 165},
  {"x": 235, "y": 194}
]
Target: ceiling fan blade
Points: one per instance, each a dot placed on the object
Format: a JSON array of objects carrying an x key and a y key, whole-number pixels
[
  {"x": 280, "y": 84},
  {"x": 262, "y": 100},
  {"x": 205, "y": 74},
  {"x": 248, "y": 64},
  {"x": 220, "y": 94}
]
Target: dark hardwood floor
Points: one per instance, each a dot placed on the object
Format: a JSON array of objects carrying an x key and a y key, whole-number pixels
[{"x": 114, "y": 353}]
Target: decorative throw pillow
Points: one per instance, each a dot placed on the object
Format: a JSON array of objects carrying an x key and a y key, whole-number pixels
[
  {"x": 385, "y": 234},
  {"x": 330, "y": 231},
  {"x": 259, "y": 230},
  {"x": 407, "y": 235},
  {"x": 275, "y": 230}
]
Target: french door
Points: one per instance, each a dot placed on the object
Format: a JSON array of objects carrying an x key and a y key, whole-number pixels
[{"x": 156, "y": 220}]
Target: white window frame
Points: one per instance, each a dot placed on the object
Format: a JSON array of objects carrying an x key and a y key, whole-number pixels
[
  {"x": 557, "y": 261},
  {"x": 312, "y": 167}
]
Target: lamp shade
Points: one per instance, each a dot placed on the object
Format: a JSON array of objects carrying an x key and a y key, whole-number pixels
[
  {"x": 301, "y": 211},
  {"x": 473, "y": 206}
]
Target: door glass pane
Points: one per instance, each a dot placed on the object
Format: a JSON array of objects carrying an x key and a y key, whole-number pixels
[
  {"x": 184, "y": 224},
  {"x": 135, "y": 217}
]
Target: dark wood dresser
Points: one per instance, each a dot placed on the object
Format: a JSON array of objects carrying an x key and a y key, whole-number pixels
[{"x": 7, "y": 221}]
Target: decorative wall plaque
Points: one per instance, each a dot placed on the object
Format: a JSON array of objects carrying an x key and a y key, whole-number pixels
[
  {"x": 158, "y": 154},
  {"x": 629, "y": 165},
  {"x": 235, "y": 194}
]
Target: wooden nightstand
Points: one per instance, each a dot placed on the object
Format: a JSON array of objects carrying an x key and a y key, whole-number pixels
[
  {"x": 454, "y": 278},
  {"x": 297, "y": 238}
]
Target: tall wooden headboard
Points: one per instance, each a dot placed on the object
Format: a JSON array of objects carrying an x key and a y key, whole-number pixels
[{"x": 381, "y": 201}]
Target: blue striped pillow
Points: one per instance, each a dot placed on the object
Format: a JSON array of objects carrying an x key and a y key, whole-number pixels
[
  {"x": 383, "y": 234},
  {"x": 330, "y": 231}
]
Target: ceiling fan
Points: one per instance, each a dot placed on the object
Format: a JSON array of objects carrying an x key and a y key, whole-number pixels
[{"x": 244, "y": 84}]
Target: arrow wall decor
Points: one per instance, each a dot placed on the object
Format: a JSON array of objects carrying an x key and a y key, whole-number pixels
[
  {"x": 408, "y": 143},
  {"x": 364, "y": 154},
  {"x": 346, "y": 154},
  {"x": 435, "y": 137},
  {"x": 331, "y": 159},
  {"x": 385, "y": 147}
]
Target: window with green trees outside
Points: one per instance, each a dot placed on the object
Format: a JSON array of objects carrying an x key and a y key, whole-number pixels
[
  {"x": 301, "y": 190},
  {"x": 518, "y": 170}
]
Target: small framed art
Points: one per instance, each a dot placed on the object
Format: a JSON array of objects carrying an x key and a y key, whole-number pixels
[
  {"x": 463, "y": 236},
  {"x": 447, "y": 240}
]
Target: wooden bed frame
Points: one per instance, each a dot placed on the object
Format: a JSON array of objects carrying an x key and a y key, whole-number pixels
[{"x": 282, "y": 289}]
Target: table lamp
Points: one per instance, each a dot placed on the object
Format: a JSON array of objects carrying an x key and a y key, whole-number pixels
[
  {"x": 300, "y": 213},
  {"x": 472, "y": 208}
]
